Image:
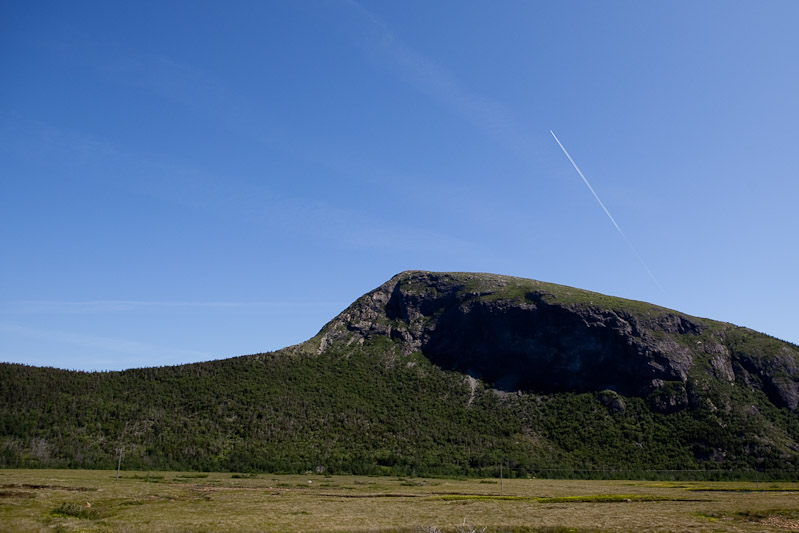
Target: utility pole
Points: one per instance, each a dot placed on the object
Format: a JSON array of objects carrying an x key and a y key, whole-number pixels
[
  {"x": 119, "y": 462},
  {"x": 122, "y": 447}
]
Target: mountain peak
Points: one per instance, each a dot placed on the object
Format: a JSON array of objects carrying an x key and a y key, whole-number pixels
[{"x": 518, "y": 334}]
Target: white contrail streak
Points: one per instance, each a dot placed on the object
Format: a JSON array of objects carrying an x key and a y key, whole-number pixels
[{"x": 605, "y": 209}]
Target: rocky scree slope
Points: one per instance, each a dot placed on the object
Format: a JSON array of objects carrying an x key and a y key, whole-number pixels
[{"x": 517, "y": 334}]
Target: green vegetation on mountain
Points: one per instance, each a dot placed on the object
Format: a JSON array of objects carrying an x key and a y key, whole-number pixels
[{"x": 437, "y": 374}]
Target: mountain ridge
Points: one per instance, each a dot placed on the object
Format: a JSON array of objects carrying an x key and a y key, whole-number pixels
[{"x": 663, "y": 336}]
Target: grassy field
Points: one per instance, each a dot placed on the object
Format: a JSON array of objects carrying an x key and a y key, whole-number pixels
[{"x": 81, "y": 500}]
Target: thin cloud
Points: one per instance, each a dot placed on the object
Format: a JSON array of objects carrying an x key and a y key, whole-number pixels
[
  {"x": 180, "y": 83},
  {"x": 250, "y": 202},
  {"x": 108, "y": 344},
  {"x": 26, "y": 307},
  {"x": 489, "y": 115}
]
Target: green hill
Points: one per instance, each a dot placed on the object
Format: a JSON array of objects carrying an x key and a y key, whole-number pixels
[{"x": 437, "y": 373}]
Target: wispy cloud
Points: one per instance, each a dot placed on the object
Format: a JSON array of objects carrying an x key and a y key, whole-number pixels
[
  {"x": 182, "y": 84},
  {"x": 25, "y": 307},
  {"x": 254, "y": 202},
  {"x": 107, "y": 344},
  {"x": 195, "y": 89},
  {"x": 491, "y": 116},
  {"x": 258, "y": 205}
]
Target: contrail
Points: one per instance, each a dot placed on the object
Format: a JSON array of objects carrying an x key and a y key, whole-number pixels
[{"x": 605, "y": 209}]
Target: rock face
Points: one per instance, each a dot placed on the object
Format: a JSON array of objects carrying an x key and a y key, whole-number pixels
[{"x": 517, "y": 334}]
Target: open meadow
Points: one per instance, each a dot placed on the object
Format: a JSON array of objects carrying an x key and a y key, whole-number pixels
[{"x": 83, "y": 500}]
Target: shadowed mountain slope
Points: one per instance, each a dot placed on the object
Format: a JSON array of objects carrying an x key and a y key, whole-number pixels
[{"x": 519, "y": 334}]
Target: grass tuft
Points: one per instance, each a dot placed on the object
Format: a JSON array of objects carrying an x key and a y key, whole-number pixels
[
  {"x": 764, "y": 514},
  {"x": 74, "y": 510}
]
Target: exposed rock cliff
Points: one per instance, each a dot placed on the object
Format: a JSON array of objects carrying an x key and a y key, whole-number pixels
[{"x": 518, "y": 334}]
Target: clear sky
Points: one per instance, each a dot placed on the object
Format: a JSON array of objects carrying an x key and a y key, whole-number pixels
[{"x": 184, "y": 181}]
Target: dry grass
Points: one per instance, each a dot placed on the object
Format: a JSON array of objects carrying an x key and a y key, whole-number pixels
[{"x": 56, "y": 500}]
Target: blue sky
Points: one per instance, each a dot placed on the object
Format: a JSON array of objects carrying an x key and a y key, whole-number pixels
[{"x": 184, "y": 181}]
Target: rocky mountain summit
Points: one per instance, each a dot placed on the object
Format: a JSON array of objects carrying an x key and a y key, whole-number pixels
[{"x": 523, "y": 335}]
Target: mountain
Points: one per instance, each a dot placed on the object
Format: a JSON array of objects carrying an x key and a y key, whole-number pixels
[{"x": 437, "y": 373}]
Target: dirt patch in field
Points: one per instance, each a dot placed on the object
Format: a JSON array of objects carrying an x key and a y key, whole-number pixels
[
  {"x": 46, "y": 487},
  {"x": 788, "y": 524},
  {"x": 381, "y": 495}
]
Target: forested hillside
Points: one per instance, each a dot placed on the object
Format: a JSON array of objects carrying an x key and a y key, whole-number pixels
[{"x": 436, "y": 374}]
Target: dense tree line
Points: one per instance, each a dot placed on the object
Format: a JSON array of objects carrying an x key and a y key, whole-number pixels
[{"x": 369, "y": 410}]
